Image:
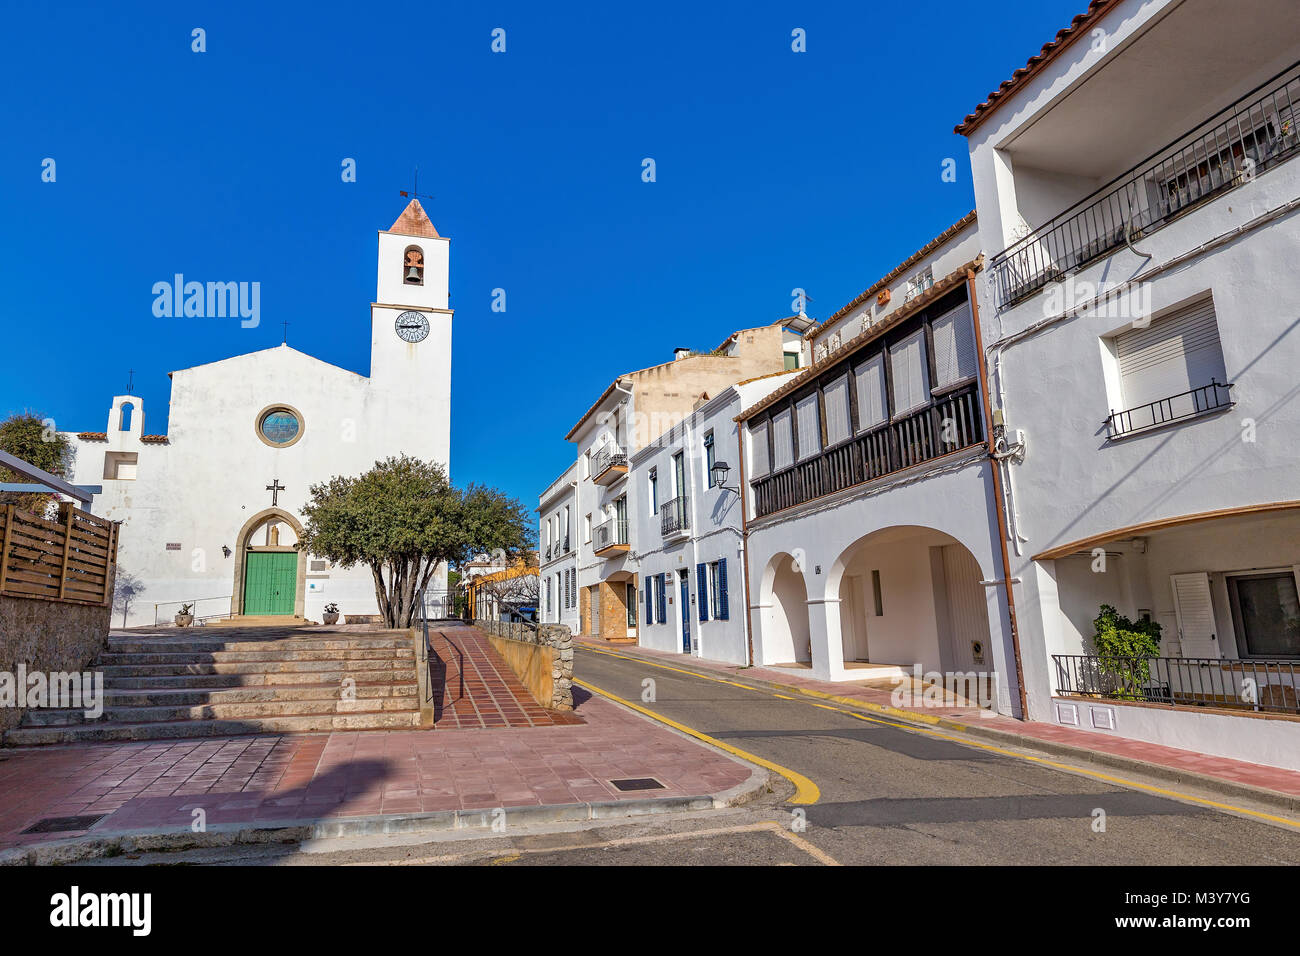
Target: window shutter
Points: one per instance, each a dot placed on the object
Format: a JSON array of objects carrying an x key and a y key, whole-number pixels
[
  {"x": 954, "y": 346},
  {"x": 810, "y": 432},
  {"x": 1196, "y": 628},
  {"x": 723, "y": 613},
  {"x": 907, "y": 364},
  {"x": 702, "y": 590},
  {"x": 1169, "y": 357},
  {"x": 873, "y": 409},
  {"x": 758, "y": 435},
  {"x": 836, "y": 395},
  {"x": 663, "y": 598},
  {"x": 649, "y": 597},
  {"x": 782, "y": 441}
]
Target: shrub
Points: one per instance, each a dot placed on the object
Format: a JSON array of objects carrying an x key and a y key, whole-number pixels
[{"x": 1123, "y": 647}]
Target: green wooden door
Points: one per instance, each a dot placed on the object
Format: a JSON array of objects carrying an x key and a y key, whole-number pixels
[{"x": 270, "y": 582}]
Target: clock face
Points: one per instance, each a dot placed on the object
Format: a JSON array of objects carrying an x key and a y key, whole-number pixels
[{"x": 412, "y": 326}]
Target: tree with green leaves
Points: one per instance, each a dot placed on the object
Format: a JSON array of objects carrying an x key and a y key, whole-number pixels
[
  {"x": 33, "y": 438},
  {"x": 1124, "y": 649},
  {"x": 404, "y": 520}
]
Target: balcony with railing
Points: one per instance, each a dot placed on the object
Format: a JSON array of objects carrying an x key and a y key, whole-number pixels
[
  {"x": 953, "y": 422},
  {"x": 1253, "y": 135},
  {"x": 1192, "y": 404},
  {"x": 1249, "y": 686},
  {"x": 610, "y": 537},
  {"x": 675, "y": 517},
  {"x": 608, "y": 465}
]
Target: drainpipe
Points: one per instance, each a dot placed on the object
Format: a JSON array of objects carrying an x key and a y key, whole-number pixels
[
  {"x": 744, "y": 545},
  {"x": 999, "y": 502}
]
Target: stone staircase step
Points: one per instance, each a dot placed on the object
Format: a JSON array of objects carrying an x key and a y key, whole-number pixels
[
  {"x": 163, "y": 730},
  {"x": 66, "y": 717},
  {"x": 114, "y": 658},
  {"x": 161, "y": 681},
  {"x": 254, "y": 667},
  {"x": 189, "y": 697}
]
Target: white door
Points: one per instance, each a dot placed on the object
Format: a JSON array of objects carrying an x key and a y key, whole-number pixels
[
  {"x": 968, "y": 614},
  {"x": 853, "y": 620}
]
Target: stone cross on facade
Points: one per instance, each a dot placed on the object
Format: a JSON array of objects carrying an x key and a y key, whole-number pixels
[{"x": 275, "y": 488}]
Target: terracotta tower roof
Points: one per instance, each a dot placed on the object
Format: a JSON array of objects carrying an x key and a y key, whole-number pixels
[{"x": 414, "y": 221}]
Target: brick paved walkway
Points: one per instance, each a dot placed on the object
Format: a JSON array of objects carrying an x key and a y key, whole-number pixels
[
  {"x": 474, "y": 687},
  {"x": 1237, "y": 771},
  {"x": 270, "y": 778}
]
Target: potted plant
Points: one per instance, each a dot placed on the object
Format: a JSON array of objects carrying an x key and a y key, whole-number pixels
[
  {"x": 185, "y": 616},
  {"x": 331, "y": 615}
]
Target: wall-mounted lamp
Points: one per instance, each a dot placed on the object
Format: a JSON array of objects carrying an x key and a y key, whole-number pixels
[
  {"x": 720, "y": 471},
  {"x": 226, "y": 551}
]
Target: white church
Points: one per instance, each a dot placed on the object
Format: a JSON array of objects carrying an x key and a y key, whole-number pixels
[{"x": 209, "y": 510}]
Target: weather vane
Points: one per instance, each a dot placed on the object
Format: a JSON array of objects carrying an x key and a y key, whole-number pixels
[{"x": 414, "y": 192}]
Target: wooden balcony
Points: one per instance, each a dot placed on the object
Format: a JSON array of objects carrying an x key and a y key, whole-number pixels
[
  {"x": 608, "y": 466},
  {"x": 610, "y": 538}
]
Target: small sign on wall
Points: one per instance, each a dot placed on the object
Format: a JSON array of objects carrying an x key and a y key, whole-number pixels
[
  {"x": 173, "y": 545},
  {"x": 315, "y": 587}
]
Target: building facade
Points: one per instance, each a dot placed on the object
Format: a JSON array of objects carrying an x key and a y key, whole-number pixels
[
  {"x": 870, "y": 500},
  {"x": 1141, "y": 336},
  {"x": 690, "y": 553},
  {"x": 557, "y": 507},
  {"x": 210, "y": 511}
]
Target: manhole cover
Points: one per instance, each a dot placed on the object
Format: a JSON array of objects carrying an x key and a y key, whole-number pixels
[
  {"x": 60, "y": 824},
  {"x": 637, "y": 783}
]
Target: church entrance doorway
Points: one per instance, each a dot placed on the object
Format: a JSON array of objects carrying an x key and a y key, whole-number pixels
[{"x": 269, "y": 582}]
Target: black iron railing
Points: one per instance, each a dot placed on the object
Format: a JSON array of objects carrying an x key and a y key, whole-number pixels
[
  {"x": 675, "y": 516},
  {"x": 1175, "y": 408},
  {"x": 609, "y": 533},
  {"x": 1255, "y": 133},
  {"x": 1267, "y": 686},
  {"x": 611, "y": 456},
  {"x": 953, "y": 422}
]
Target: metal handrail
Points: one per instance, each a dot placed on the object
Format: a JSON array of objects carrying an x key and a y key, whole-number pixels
[
  {"x": 194, "y": 603},
  {"x": 1189, "y": 170},
  {"x": 608, "y": 457},
  {"x": 1203, "y": 399},
  {"x": 1270, "y": 686},
  {"x": 609, "y": 532}
]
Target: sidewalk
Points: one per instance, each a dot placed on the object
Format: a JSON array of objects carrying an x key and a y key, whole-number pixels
[
  {"x": 1271, "y": 785},
  {"x": 354, "y": 782}
]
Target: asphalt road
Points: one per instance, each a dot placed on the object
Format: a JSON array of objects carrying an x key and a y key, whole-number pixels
[
  {"x": 892, "y": 795},
  {"x": 889, "y": 794}
]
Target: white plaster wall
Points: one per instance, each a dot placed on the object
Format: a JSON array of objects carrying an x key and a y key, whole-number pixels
[{"x": 1273, "y": 743}]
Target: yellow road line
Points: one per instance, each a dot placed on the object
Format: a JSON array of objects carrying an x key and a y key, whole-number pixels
[
  {"x": 805, "y": 790},
  {"x": 907, "y": 721},
  {"x": 679, "y": 670},
  {"x": 816, "y": 853}
]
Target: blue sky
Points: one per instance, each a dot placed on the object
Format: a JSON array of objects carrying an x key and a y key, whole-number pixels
[{"x": 775, "y": 169}]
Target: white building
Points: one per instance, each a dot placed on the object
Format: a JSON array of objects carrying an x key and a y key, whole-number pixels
[
  {"x": 636, "y": 408},
  {"x": 869, "y": 494},
  {"x": 690, "y": 555},
  {"x": 210, "y": 510},
  {"x": 1138, "y": 196},
  {"x": 556, "y": 509}
]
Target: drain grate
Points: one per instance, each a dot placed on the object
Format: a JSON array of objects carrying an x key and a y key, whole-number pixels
[
  {"x": 637, "y": 783},
  {"x": 61, "y": 824}
]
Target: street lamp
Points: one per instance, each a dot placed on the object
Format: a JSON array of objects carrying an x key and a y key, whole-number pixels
[{"x": 720, "y": 471}]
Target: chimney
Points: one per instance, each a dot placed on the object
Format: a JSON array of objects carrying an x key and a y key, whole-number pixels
[{"x": 681, "y": 353}]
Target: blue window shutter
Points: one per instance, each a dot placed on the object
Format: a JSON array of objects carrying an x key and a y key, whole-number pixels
[
  {"x": 649, "y": 596},
  {"x": 722, "y": 589},
  {"x": 663, "y": 598},
  {"x": 702, "y": 590}
]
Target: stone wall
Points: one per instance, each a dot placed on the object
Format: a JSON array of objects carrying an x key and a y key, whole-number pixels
[
  {"x": 47, "y": 636},
  {"x": 541, "y": 657}
]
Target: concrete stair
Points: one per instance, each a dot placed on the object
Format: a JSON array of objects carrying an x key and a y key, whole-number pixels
[{"x": 162, "y": 686}]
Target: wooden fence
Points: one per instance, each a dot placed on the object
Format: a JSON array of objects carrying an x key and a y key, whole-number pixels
[{"x": 70, "y": 559}]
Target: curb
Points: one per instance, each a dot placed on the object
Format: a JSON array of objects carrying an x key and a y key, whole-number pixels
[
  {"x": 94, "y": 846},
  {"x": 1272, "y": 798}
]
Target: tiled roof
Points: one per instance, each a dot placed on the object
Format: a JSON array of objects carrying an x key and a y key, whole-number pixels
[
  {"x": 940, "y": 288},
  {"x": 154, "y": 439},
  {"x": 1077, "y": 28},
  {"x": 899, "y": 270},
  {"x": 414, "y": 221},
  {"x": 93, "y": 436}
]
